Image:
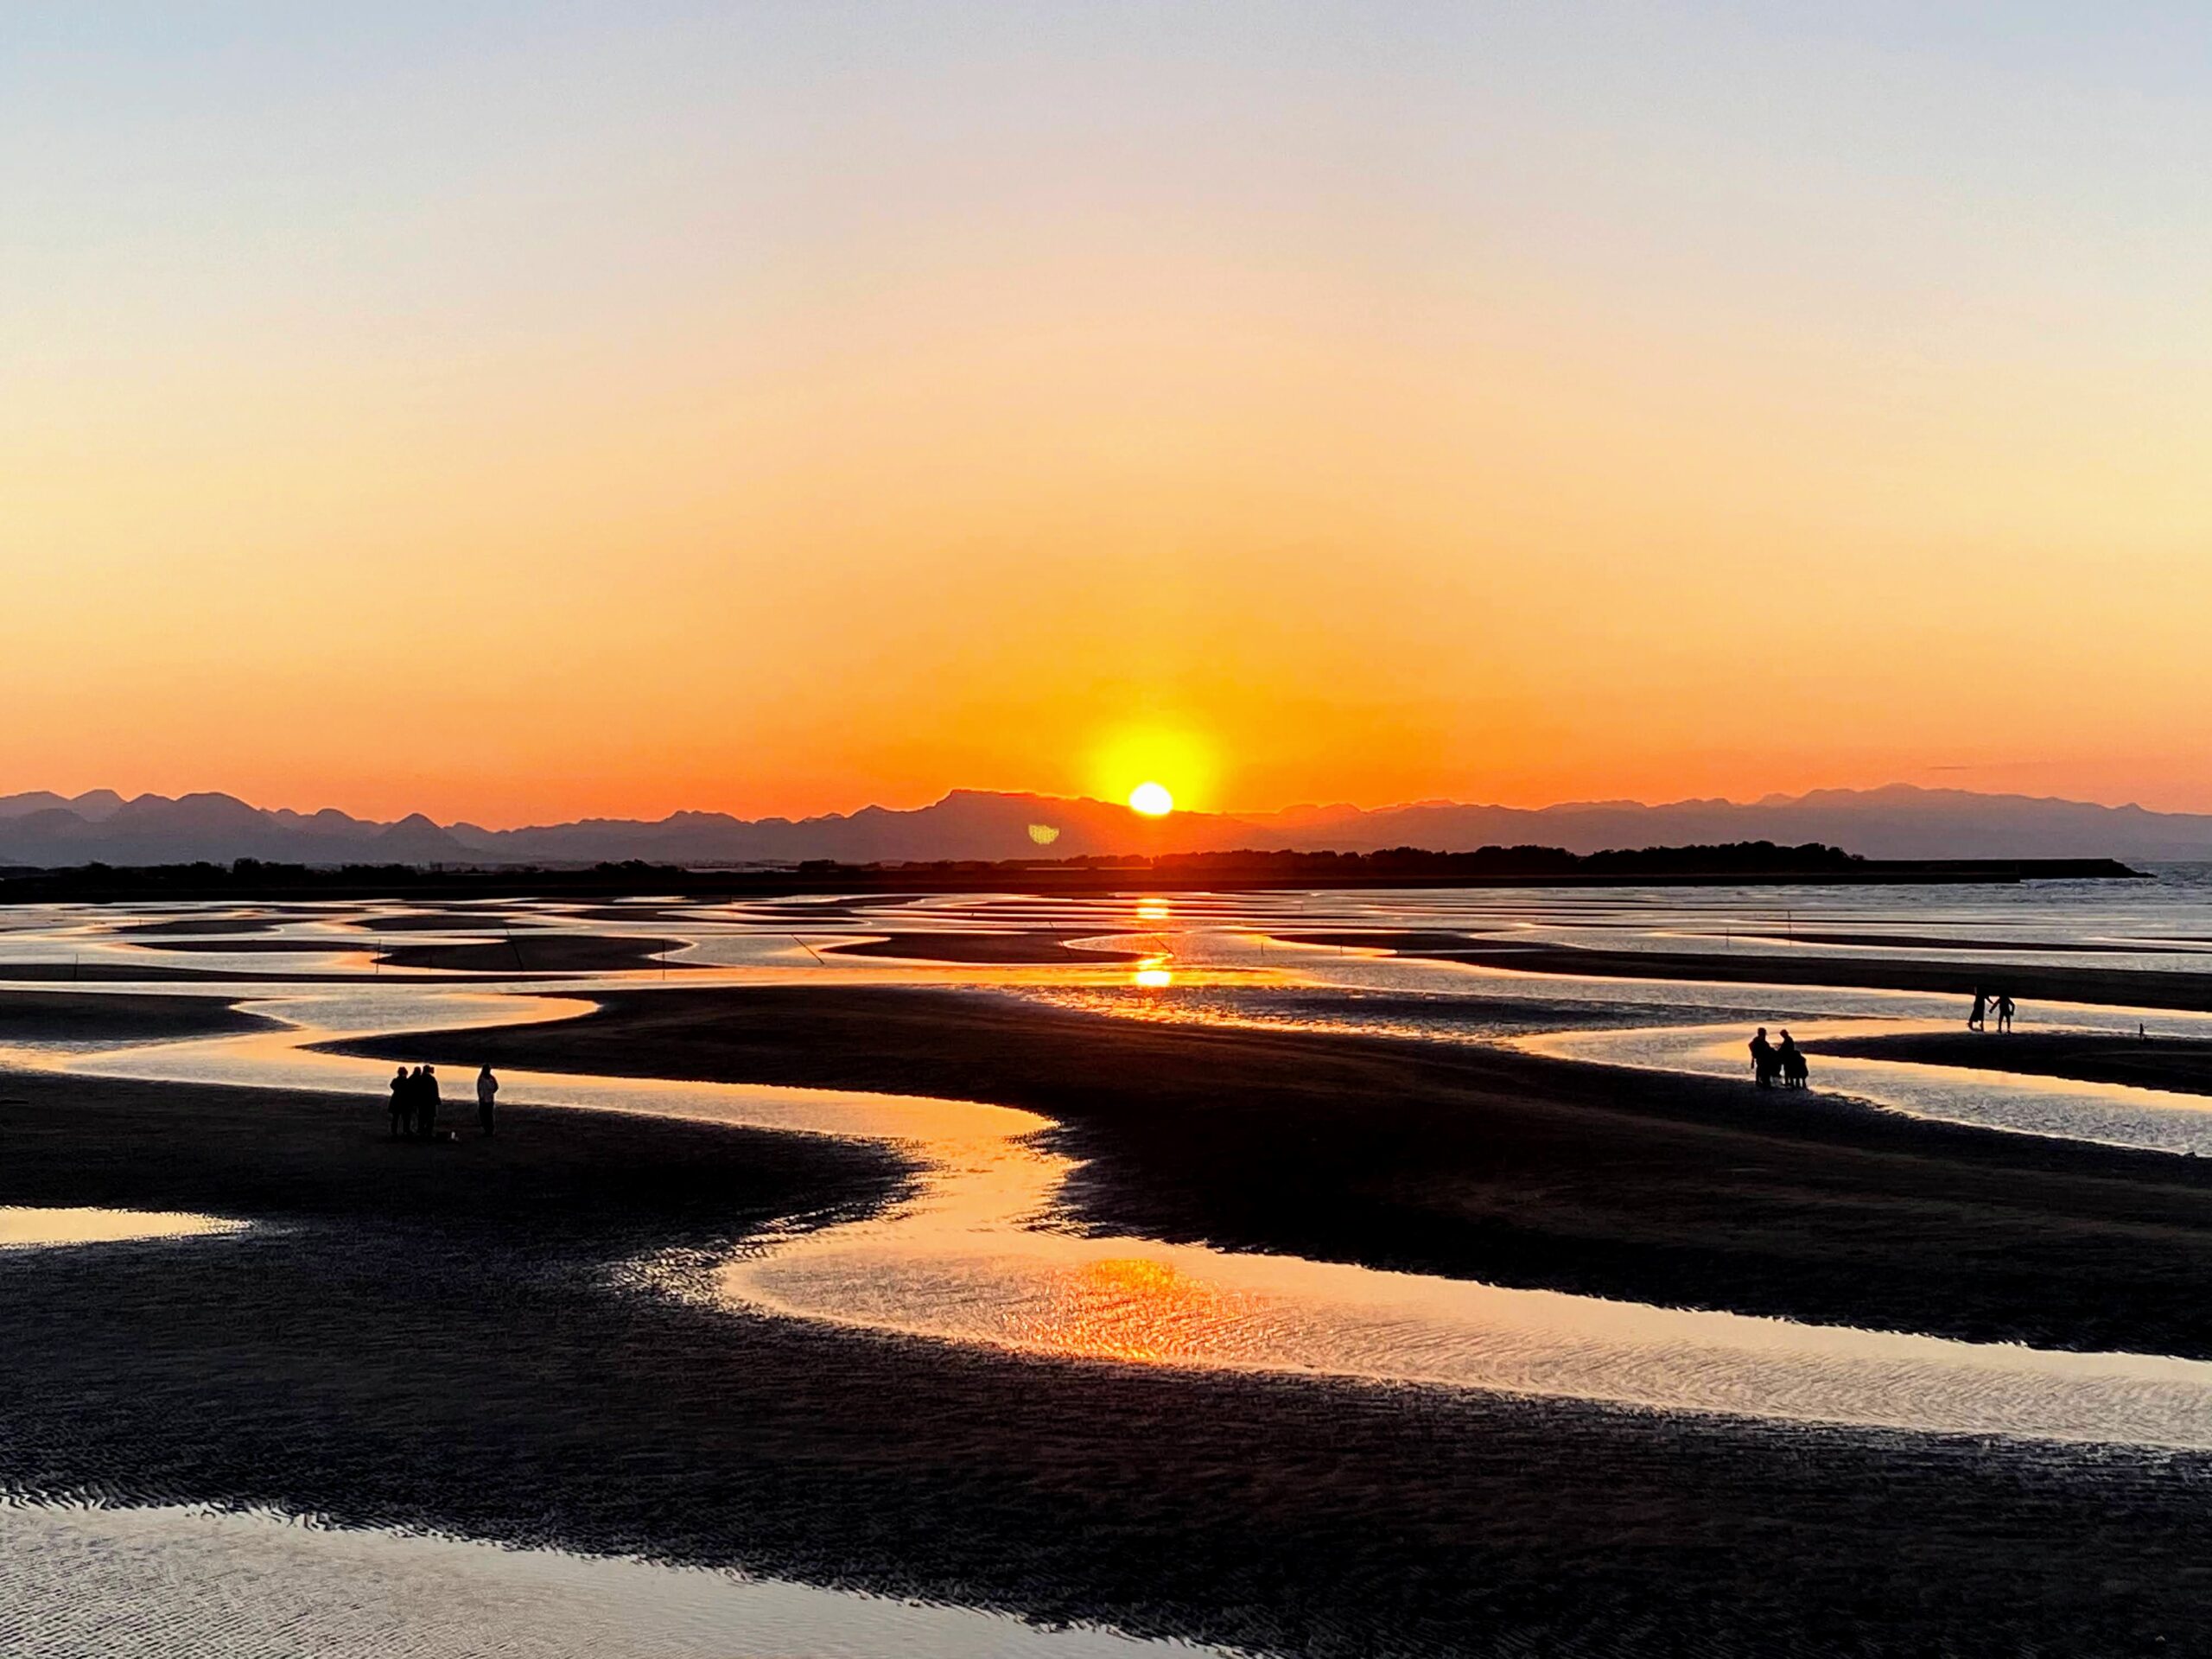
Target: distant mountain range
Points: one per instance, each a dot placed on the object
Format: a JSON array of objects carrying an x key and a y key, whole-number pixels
[{"x": 40, "y": 828}]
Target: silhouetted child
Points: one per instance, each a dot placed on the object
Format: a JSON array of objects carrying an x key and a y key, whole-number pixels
[
  {"x": 2004, "y": 1011},
  {"x": 487, "y": 1089}
]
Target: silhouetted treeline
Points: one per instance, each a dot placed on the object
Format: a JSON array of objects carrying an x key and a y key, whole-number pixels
[
  {"x": 1734, "y": 861},
  {"x": 250, "y": 880},
  {"x": 1734, "y": 858}
]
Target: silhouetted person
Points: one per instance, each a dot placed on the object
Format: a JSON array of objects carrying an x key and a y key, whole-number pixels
[
  {"x": 1763, "y": 1060},
  {"x": 401, "y": 1103},
  {"x": 2004, "y": 1011},
  {"x": 488, "y": 1087},
  {"x": 1980, "y": 1012},
  {"x": 1792, "y": 1059},
  {"x": 426, "y": 1106}
]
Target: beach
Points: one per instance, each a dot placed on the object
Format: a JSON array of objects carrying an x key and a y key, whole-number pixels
[
  {"x": 424, "y": 1337},
  {"x": 590, "y": 1335},
  {"x": 1518, "y": 1170}
]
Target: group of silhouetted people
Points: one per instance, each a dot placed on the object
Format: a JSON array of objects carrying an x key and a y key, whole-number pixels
[
  {"x": 415, "y": 1103},
  {"x": 1986, "y": 1004},
  {"x": 1773, "y": 1063}
]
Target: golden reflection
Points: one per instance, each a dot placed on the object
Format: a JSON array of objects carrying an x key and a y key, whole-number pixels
[
  {"x": 1152, "y": 974},
  {"x": 1154, "y": 909},
  {"x": 23, "y": 1226},
  {"x": 1133, "y": 1308}
]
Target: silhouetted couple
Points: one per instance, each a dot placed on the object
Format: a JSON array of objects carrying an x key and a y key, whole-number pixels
[
  {"x": 1977, "y": 1018},
  {"x": 414, "y": 1102},
  {"x": 1771, "y": 1061}
]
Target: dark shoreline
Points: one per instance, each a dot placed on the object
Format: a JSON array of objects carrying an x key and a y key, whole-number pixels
[
  {"x": 1479, "y": 1162},
  {"x": 2173, "y": 1063},
  {"x": 1005, "y": 949},
  {"x": 167, "y": 884},
  {"x": 531, "y": 951},
  {"x": 538, "y": 952},
  {"x": 2147, "y": 987},
  {"x": 436, "y": 1341},
  {"x": 118, "y": 1017},
  {"x": 1937, "y": 941}
]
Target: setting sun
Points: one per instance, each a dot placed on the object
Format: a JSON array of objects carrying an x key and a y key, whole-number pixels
[
  {"x": 1139, "y": 758},
  {"x": 1152, "y": 799}
]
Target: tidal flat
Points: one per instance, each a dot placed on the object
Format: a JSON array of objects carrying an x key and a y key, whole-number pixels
[{"x": 1806, "y": 1374}]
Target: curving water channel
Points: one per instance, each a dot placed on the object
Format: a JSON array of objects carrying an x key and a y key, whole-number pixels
[
  {"x": 187, "y": 1583},
  {"x": 981, "y": 1253},
  {"x": 977, "y": 1256}
]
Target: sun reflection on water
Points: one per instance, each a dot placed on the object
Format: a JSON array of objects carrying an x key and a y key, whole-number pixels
[
  {"x": 28, "y": 1227},
  {"x": 1136, "y": 1309}
]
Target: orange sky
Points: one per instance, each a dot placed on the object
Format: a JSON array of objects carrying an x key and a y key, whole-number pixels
[{"x": 827, "y": 405}]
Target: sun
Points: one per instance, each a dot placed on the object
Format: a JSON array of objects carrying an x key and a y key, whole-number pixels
[
  {"x": 1152, "y": 799},
  {"x": 1146, "y": 757}
]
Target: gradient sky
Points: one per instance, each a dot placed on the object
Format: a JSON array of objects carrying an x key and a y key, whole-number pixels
[{"x": 520, "y": 412}]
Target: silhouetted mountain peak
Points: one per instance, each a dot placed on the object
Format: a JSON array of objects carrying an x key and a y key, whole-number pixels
[
  {"x": 204, "y": 809},
  {"x": 30, "y": 801},
  {"x": 1897, "y": 821},
  {"x": 415, "y": 839}
]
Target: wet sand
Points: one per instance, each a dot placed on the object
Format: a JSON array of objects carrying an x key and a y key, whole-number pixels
[
  {"x": 537, "y": 953},
  {"x": 1481, "y": 1163},
  {"x": 2122, "y": 987},
  {"x": 116, "y": 1017},
  {"x": 489, "y": 960},
  {"x": 434, "y": 1338},
  {"x": 112, "y": 972},
  {"x": 194, "y": 924},
  {"x": 1942, "y": 942},
  {"x": 492, "y": 919},
  {"x": 1402, "y": 944},
  {"x": 2159, "y": 1063},
  {"x": 1009, "y": 950},
  {"x": 327, "y": 944}
]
